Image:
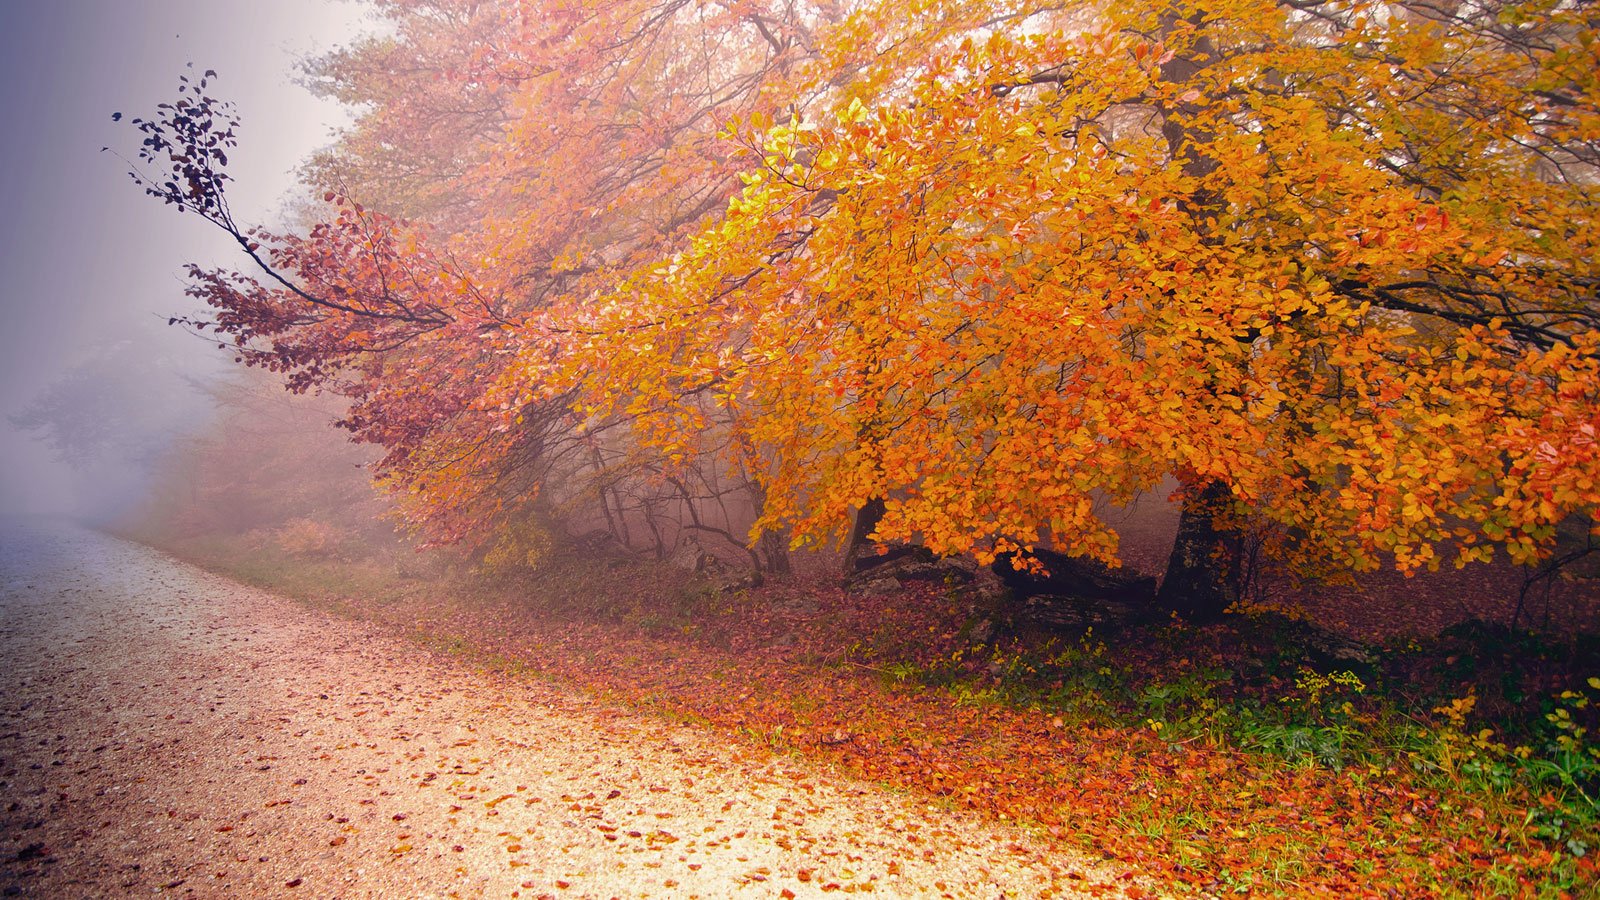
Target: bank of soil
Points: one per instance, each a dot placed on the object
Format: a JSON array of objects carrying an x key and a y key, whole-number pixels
[{"x": 164, "y": 730}]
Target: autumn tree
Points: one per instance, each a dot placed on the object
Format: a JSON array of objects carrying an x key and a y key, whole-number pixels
[
  {"x": 608, "y": 115},
  {"x": 1329, "y": 265},
  {"x": 989, "y": 264}
]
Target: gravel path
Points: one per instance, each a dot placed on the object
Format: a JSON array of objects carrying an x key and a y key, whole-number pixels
[{"x": 164, "y": 730}]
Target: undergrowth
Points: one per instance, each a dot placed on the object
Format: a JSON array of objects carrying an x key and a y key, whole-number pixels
[{"x": 1536, "y": 756}]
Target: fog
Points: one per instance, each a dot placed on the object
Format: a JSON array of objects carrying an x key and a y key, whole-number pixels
[{"x": 90, "y": 268}]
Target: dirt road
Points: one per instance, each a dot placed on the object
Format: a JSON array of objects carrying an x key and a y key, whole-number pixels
[{"x": 164, "y": 730}]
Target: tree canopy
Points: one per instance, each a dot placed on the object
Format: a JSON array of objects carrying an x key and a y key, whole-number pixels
[{"x": 1330, "y": 266}]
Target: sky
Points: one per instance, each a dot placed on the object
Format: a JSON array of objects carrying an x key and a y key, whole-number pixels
[{"x": 90, "y": 268}]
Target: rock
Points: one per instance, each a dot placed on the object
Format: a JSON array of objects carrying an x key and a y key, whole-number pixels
[
  {"x": 875, "y": 556},
  {"x": 986, "y": 594},
  {"x": 803, "y": 606},
  {"x": 1079, "y": 613},
  {"x": 905, "y": 564},
  {"x": 1317, "y": 646},
  {"x": 692, "y": 558},
  {"x": 876, "y": 586},
  {"x": 963, "y": 563},
  {"x": 938, "y": 571},
  {"x": 688, "y": 557},
  {"x": 738, "y": 581},
  {"x": 1077, "y": 593},
  {"x": 981, "y": 632},
  {"x": 707, "y": 567},
  {"x": 600, "y": 543},
  {"x": 1074, "y": 576},
  {"x": 1335, "y": 649}
]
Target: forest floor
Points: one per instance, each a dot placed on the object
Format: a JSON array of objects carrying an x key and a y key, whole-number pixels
[
  {"x": 1210, "y": 761},
  {"x": 165, "y": 730}
]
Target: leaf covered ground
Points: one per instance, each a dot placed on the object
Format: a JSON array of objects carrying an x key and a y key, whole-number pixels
[
  {"x": 1222, "y": 759},
  {"x": 164, "y": 731}
]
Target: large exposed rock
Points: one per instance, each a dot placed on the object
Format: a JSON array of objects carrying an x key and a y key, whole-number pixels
[
  {"x": 707, "y": 567},
  {"x": 902, "y": 564},
  {"x": 868, "y": 562},
  {"x": 1073, "y": 576},
  {"x": 875, "y": 586},
  {"x": 691, "y": 557},
  {"x": 1076, "y": 593},
  {"x": 875, "y": 557},
  {"x": 599, "y": 544},
  {"x": 1074, "y": 613},
  {"x": 1322, "y": 648},
  {"x": 729, "y": 582}
]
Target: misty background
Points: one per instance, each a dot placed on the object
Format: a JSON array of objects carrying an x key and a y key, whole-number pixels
[{"x": 90, "y": 268}]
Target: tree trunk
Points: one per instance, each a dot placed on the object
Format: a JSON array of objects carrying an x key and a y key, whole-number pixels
[
  {"x": 776, "y": 552},
  {"x": 774, "y": 545},
  {"x": 1202, "y": 577},
  {"x": 860, "y": 544}
]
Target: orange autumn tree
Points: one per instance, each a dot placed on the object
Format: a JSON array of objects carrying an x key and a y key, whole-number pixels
[{"x": 1330, "y": 265}]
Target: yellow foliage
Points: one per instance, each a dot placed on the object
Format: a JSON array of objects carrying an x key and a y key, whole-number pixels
[{"x": 1002, "y": 273}]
